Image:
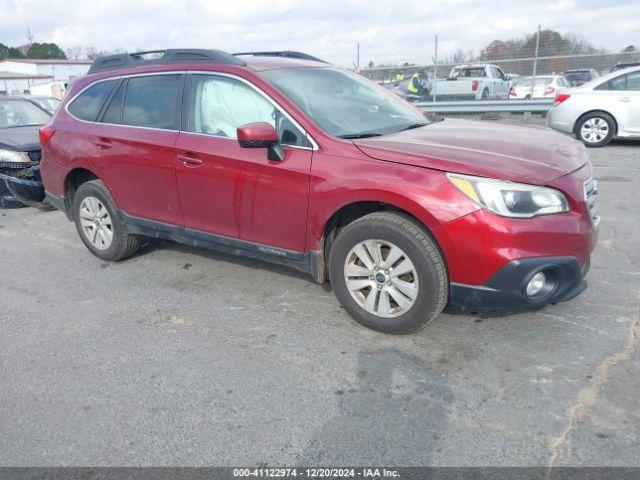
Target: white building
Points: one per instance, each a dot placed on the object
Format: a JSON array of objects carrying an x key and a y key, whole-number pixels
[
  {"x": 17, "y": 75},
  {"x": 12, "y": 83}
]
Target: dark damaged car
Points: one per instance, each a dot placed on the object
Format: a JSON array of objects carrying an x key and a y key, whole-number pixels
[{"x": 20, "y": 182}]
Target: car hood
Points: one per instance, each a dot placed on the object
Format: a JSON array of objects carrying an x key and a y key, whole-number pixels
[
  {"x": 527, "y": 154},
  {"x": 20, "y": 138}
]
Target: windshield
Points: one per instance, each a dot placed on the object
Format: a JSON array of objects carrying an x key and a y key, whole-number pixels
[
  {"x": 21, "y": 113},
  {"x": 344, "y": 104}
]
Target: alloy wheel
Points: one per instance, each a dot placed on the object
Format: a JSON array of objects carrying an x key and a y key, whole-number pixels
[
  {"x": 594, "y": 130},
  {"x": 96, "y": 223},
  {"x": 381, "y": 278}
]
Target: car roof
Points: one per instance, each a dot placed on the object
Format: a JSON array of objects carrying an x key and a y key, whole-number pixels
[
  {"x": 261, "y": 63},
  {"x": 200, "y": 59}
]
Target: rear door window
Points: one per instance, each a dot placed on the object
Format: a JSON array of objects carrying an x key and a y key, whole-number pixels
[
  {"x": 618, "y": 83},
  {"x": 87, "y": 105},
  {"x": 153, "y": 102},
  {"x": 633, "y": 81}
]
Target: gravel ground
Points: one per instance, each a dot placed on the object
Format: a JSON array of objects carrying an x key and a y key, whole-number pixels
[{"x": 181, "y": 356}]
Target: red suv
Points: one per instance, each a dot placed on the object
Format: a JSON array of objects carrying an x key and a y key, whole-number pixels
[{"x": 300, "y": 163}]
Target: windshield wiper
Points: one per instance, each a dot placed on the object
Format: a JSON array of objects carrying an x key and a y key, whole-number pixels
[
  {"x": 412, "y": 126},
  {"x": 26, "y": 125},
  {"x": 360, "y": 135}
]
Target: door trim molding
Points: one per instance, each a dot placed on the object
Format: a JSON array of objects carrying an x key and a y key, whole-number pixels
[{"x": 308, "y": 262}]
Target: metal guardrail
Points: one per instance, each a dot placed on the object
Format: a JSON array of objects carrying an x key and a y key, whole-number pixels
[{"x": 481, "y": 106}]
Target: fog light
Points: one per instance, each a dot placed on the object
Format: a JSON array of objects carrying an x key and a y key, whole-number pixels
[{"x": 536, "y": 284}]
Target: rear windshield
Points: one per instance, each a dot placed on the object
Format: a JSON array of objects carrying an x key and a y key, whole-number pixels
[
  {"x": 468, "y": 72},
  {"x": 578, "y": 76},
  {"x": 540, "y": 81}
]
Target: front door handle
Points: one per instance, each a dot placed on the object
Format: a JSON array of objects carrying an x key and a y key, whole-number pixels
[
  {"x": 190, "y": 159},
  {"x": 625, "y": 99},
  {"x": 102, "y": 143}
]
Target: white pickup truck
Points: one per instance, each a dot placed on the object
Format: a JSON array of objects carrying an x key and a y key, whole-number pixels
[{"x": 473, "y": 82}]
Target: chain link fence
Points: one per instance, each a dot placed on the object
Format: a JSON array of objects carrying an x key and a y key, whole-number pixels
[{"x": 481, "y": 86}]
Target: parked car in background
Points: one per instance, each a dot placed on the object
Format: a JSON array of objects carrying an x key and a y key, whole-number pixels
[
  {"x": 473, "y": 82},
  {"x": 580, "y": 76},
  {"x": 20, "y": 181},
  {"x": 545, "y": 86},
  {"x": 601, "y": 110},
  {"x": 46, "y": 102},
  {"x": 403, "y": 212},
  {"x": 514, "y": 79}
]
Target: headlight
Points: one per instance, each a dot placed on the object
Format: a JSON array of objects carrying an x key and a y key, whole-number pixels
[
  {"x": 509, "y": 199},
  {"x": 11, "y": 156}
]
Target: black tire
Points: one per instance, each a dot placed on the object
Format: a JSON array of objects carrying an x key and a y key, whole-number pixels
[
  {"x": 423, "y": 252},
  {"x": 602, "y": 117},
  {"x": 123, "y": 245},
  {"x": 485, "y": 94}
]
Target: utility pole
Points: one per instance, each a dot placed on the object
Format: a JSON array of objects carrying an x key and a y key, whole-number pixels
[
  {"x": 434, "y": 83},
  {"x": 358, "y": 56},
  {"x": 527, "y": 115},
  {"x": 535, "y": 61}
]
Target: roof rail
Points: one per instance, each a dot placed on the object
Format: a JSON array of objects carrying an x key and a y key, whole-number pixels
[
  {"x": 177, "y": 55},
  {"x": 285, "y": 54}
]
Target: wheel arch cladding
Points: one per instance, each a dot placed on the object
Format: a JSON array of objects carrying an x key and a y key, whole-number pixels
[
  {"x": 351, "y": 212},
  {"x": 72, "y": 181}
]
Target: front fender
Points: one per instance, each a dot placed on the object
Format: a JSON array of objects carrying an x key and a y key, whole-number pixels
[{"x": 337, "y": 182}]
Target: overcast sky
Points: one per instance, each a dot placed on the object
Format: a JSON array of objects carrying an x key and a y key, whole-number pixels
[{"x": 388, "y": 31}]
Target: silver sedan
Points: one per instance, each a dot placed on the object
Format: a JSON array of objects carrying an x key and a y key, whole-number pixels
[{"x": 600, "y": 110}]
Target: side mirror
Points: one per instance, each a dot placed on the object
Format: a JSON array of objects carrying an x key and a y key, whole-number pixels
[{"x": 261, "y": 135}]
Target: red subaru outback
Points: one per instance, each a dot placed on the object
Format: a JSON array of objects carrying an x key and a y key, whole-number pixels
[{"x": 294, "y": 161}]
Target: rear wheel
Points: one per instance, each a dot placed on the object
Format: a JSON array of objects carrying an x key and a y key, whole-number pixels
[
  {"x": 485, "y": 94},
  {"x": 595, "y": 129},
  {"x": 99, "y": 225},
  {"x": 388, "y": 274}
]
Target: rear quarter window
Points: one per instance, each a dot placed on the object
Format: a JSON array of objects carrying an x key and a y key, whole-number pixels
[{"x": 87, "y": 105}]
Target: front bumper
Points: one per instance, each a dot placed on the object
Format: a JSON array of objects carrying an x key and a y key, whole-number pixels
[
  {"x": 24, "y": 185},
  {"x": 507, "y": 288},
  {"x": 562, "y": 118}
]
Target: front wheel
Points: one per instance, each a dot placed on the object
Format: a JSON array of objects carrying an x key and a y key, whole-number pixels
[
  {"x": 388, "y": 273},
  {"x": 595, "y": 129}
]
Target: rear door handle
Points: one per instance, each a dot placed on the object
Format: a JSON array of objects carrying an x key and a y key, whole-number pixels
[
  {"x": 102, "y": 143},
  {"x": 625, "y": 99},
  {"x": 190, "y": 159}
]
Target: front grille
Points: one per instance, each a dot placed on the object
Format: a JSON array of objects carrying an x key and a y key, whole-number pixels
[{"x": 590, "y": 196}]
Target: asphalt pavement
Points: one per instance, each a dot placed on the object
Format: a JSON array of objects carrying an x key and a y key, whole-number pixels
[{"x": 181, "y": 356}]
